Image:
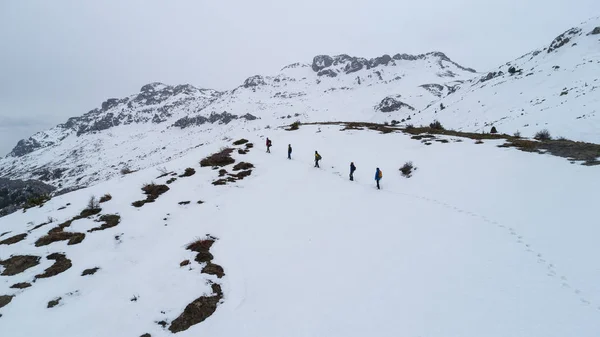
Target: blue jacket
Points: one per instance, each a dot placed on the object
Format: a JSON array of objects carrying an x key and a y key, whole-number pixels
[
  {"x": 377, "y": 174},
  {"x": 352, "y": 168}
]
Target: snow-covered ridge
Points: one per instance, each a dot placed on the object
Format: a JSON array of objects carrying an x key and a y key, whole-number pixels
[{"x": 556, "y": 87}]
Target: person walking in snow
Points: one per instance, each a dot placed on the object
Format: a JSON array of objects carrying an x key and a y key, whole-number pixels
[
  {"x": 317, "y": 158},
  {"x": 289, "y": 151},
  {"x": 269, "y": 145},
  {"x": 352, "y": 169},
  {"x": 378, "y": 176}
]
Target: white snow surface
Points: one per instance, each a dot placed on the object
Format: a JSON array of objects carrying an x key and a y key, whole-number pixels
[{"x": 480, "y": 241}]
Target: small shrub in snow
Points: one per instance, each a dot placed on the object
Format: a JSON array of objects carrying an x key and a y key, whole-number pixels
[
  {"x": 221, "y": 158},
  {"x": 407, "y": 169},
  {"x": 493, "y": 130},
  {"x": 543, "y": 135},
  {"x": 93, "y": 204},
  {"x": 105, "y": 198},
  {"x": 409, "y": 127},
  {"x": 240, "y": 141},
  {"x": 294, "y": 126},
  {"x": 126, "y": 169},
  {"x": 517, "y": 134},
  {"x": 436, "y": 125}
]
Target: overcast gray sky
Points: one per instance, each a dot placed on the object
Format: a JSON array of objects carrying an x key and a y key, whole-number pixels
[{"x": 63, "y": 58}]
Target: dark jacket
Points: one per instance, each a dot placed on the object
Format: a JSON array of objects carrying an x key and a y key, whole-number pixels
[{"x": 352, "y": 168}]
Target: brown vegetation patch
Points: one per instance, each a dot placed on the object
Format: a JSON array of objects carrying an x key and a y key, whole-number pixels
[
  {"x": 152, "y": 192},
  {"x": 184, "y": 263},
  {"x": 14, "y": 239},
  {"x": 184, "y": 202},
  {"x": 73, "y": 238},
  {"x": 188, "y": 172},
  {"x": 197, "y": 311},
  {"x": 213, "y": 269},
  {"x": 105, "y": 198},
  {"x": 242, "y": 175},
  {"x": 110, "y": 221},
  {"x": 18, "y": 264},
  {"x": 61, "y": 264},
  {"x": 242, "y": 166},
  {"x": 242, "y": 151},
  {"x": 88, "y": 212},
  {"x": 54, "y": 302},
  {"x": 21, "y": 285},
  {"x": 5, "y": 300},
  {"x": 240, "y": 141},
  {"x": 170, "y": 181},
  {"x": 222, "y": 172},
  {"x": 90, "y": 271},
  {"x": 249, "y": 146},
  {"x": 588, "y": 153},
  {"x": 219, "y": 159}
]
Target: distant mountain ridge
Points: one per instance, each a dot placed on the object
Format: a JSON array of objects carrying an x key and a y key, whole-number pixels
[{"x": 555, "y": 87}]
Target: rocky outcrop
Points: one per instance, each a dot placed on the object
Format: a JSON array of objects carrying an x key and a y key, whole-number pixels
[
  {"x": 254, "y": 81},
  {"x": 327, "y": 72},
  {"x": 15, "y": 193},
  {"x": 354, "y": 64},
  {"x": 595, "y": 31},
  {"x": 222, "y": 118},
  {"x": 321, "y": 62},
  {"x": 563, "y": 39},
  {"x": 390, "y": 104},
  {"x": 491, "y": 75},
  {"x": 434, "y": 89}
]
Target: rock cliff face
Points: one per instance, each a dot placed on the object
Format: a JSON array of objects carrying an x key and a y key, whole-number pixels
[{"x": 14, "y": 193}]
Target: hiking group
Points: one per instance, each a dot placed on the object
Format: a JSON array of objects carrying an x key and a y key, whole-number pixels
[{"x": 378, "y": 172}]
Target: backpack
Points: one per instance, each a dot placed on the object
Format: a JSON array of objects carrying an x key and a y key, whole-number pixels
[
  {"x": 380, "y": 174},
  {"x": 319, "y": 156}
]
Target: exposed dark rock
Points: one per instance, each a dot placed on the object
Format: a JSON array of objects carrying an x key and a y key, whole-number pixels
[
  {"x": 254, "y": 81},
  {"x": 435, "y": 89},
  {"x": 223, "y": 118},
  {"x": 596, "y": 31},
  {"x": 563, "y": 39},
  {"x": 327, "y": 72},
  {"x": 491, "y": 75},
  {"x": 390, "y": 104},
  {"x": 90, "y": 271},
  {"x": 15, "y": 193},
  {"x": 54, "y": 302},
  {"x": 25, "y": 146},
  {"x": 382, "y": 60},
  {"x": 321, "y": 62}
]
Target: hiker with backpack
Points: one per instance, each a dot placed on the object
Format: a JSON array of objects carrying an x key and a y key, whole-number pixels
[
  {"x": 378, "y": 176},
  {"x": 269, "y": 145},
  {"x": 352, "y": 169},
  {"x": 317, "y": 158},
  {"x": 289, "y": 151}
]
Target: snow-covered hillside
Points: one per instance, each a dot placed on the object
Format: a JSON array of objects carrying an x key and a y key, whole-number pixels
[
  {"x": 556, "y": 87},
  {"x": 97, "y": 145},
  {"x": 479, "y": 241}
]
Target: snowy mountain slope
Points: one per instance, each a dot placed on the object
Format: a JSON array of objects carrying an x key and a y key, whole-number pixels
[
  {"x": 480, "y": 241},
  {"x": 82, "y": 151},
  {"x": 556, "y": 87}
]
